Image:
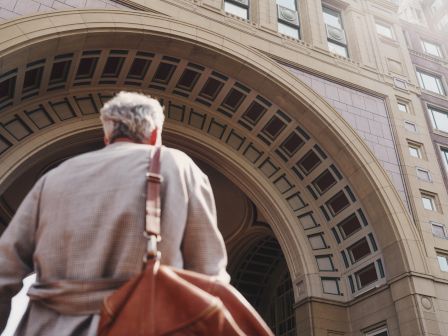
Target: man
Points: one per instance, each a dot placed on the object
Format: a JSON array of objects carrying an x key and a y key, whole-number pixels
[{"x": 83, "y": 222}]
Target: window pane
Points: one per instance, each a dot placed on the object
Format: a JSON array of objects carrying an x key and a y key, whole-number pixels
[
  {"x": 438, "y": 230},
  {"x": 445, "y": 156},
  {"x": 402, "y": 107},
  {"x": 332, "y": 18},
  {"x": 235, "y": 10},
  {"x": 337, "y": 49},
  {"x": 440, "y": 119},
  {"x": 288, "y": 30},
  {"x": 431, "y": 48},
  {"x": 414, "y": 152},
  {"x": 428, "y": 203},
  {"x": 383, "y": 30},
  {"x": 291, "y": 4},
  {"x": 430, "y": 82},
  {"x": 359, "y": 250},
  {"x": 443, "y": 263},
  {"x": 366, "y": 276}
]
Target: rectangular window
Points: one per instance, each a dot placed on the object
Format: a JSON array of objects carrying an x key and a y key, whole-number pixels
[
  {"x": 432, "y": 48},
  {"x": 382, "y": 331},
  {"x": 438, "y": 230},
  {"x": 337, "y": 41},
  {"x": 439, "y": 119},
  {"x": 288, "y": 18},
  {"x": 414, "y": 151},
  {"x": 403, "y": 108},
  {"x": 443, "y": 262},
  {"x": 429, "y": 202},
  {"x": 237, "y": 8},
  {"x": 384, "y": 30},
  {"x": 423, "y": 175},
  {"x": 366, "y": 276},
  {"x": 359, "y": 250},
  {"x": 445, "y": 156},
  {"x": 430, "y": 82}
]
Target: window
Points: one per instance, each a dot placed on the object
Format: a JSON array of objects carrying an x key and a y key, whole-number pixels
[
  {"x": 402, "y": 107},
  {"x": 288, "y": 18},
  {"x": 431, "y": 48},
  {"x": 430, "y": 82},
  {"x": 237, "y": 8},
  {"x": 438, "y": 230},
  {"x": 384, "y": 30},
  {"x": 443, "y": 262},
  {"x": 439, "y": 119},
  {"x": 382, "y": 331},
  {"x": 429, "y": 202},
  {"x": 337, "y": 42},
  {"x": 415, "y": 150},
  {"x": 423, "y": 175},
  {"x": 359, "y": 250},
  {"x": 445, "y": 156},
  {"x": 366, "y": 276}
]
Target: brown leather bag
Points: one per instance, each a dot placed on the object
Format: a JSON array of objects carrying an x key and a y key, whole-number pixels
[{"x": 163, "y": 300}]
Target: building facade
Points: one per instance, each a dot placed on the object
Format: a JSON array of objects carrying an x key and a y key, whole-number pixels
[{"x": 312, "y": 118}]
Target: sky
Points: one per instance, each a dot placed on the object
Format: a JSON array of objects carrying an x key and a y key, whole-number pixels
[{"x": 19, "y": 304}]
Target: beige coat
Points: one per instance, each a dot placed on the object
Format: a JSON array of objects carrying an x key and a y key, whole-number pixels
[{"x": 84, "y": 221}]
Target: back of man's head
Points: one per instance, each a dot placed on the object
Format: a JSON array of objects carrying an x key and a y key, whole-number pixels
[{"x": 131, "y": 115}]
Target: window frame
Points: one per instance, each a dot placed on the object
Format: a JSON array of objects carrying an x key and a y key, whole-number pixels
[
  {"x": 439, "y": 81},
  {"x": 387, "y": 26},
  {"x": 417, "y": 148},
  {"x": 377, "y": 331},
  {"x": 431, "y": 109},
  {"x": 240, "y": 5},
  {"x": 442, "y": 255},
  {"x": 440, "y": 225},
  {"x": 289, "y": 25},
  {"x": 329, "y": 10},
  {"x": 436, "y": 45},
  {"x": 432, "y": 199}
]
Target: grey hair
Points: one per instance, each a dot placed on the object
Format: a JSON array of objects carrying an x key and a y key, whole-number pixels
[{"x": 132, "y": 115}]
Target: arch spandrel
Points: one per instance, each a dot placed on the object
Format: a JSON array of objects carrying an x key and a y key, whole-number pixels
[{"x": 338, "y": 143}]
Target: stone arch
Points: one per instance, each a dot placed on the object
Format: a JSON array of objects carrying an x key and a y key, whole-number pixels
[{"x": 281, "y": 132}]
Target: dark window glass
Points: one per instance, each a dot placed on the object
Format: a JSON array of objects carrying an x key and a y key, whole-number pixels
[
  {"x": 359, "y": 250},
  {"x": 366, "y": 276},
  {"x": 338, "y": 203},
  {"x": 349, "y": 226}
]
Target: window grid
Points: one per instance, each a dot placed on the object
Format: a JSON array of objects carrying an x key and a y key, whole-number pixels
[
  {"x": 384, "y": 30},
  {"x": 439, "y": 119},
  {"x": 443, "y": 261},
  {"x": 439, "y": 230},
  {"x": 237, "y": 8},
  {"x": 288, "y": 18},
  {"x": 432, "y": 48},
  {"x": 336, "y": 37},
  {"x": 415, "y": 151},
  {"x": 430, "y": 82},
  {"x": 403, "y": 108},
  {"x": 429, "y": 202}
]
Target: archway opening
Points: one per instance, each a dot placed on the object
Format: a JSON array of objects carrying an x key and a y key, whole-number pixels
[{"x": 254, "y": 252}]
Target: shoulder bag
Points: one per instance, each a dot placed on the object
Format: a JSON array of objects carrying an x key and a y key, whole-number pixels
[{"x": 163, "y": 300}]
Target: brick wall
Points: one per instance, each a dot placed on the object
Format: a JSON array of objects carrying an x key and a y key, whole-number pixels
[{"x": 368, "y": 115}]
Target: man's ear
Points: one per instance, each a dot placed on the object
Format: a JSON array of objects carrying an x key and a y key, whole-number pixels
[{"x": 153, "y": 137}]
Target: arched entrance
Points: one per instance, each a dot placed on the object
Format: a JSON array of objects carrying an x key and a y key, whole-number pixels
[{"x": 336, "y": 217}]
